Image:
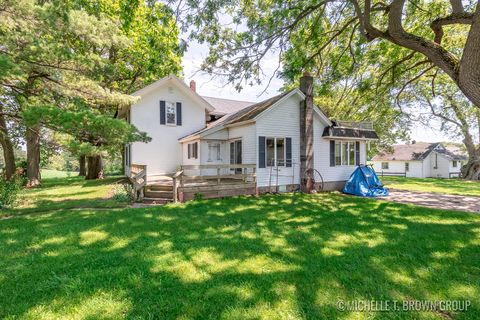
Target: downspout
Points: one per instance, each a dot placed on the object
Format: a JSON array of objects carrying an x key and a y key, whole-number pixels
[{"x": 306, "y": 132}]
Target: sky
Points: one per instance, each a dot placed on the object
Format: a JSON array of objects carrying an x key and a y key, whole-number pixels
[{"x": 208, "y": 86}]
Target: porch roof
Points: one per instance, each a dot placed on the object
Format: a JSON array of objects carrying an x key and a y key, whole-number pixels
[{"x": 351, "y": 132}]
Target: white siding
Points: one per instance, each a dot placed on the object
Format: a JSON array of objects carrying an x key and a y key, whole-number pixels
[
  {"x": 322, "y": 155},
  {"x": 280, "y": 121},
  {"x": 245, "y": 133},
  {"x": 164, "y": 153},
  {"x": 416, "y": 168},
  {"x": 443, "y": 166}
]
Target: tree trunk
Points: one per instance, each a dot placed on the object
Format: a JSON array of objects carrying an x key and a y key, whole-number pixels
[
  {"x": 471, "y": 171},
  {"x": 82, "y": 165},
  {"x": 7, "y": 146},
  {"x": 94, "y": 168},
  {"x": 32, "y": 137},
  {"x": 306, "y": 134}
]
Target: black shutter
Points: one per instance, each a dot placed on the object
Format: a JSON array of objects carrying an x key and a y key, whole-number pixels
[
  {"x": 195, "y": 150},
  {"x": 288, "y": 152},
  {"x": 162, "y": 112},
  {"x": 129, "y": 155},
  {"x": 261, "y": 152},
  {"x": 179, "y": 113},
  {"x": 189, "y": 147},
  {"x": 357, "y": 153},
  {"x": 232, "y": 152},
  {"x": 332, "y": 153}
]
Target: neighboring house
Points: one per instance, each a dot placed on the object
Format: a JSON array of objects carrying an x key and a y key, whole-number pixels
[
  {"x": 420, "y": 160},
  {"x": 188, "y": 129}
]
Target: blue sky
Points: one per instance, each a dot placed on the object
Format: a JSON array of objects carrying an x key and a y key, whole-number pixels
[{"x": 208, "y": 86}]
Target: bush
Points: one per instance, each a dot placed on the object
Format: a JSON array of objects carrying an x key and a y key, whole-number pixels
[
  {"x": 122, "y": 193},
  {"x": 21, "y": 168},
  {"x": 9, "y": 191}
]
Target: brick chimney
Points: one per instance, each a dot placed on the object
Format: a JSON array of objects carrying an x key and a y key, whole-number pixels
[
  {"x": 193, "y": 86},
  {"x": 306, "y": 132}
]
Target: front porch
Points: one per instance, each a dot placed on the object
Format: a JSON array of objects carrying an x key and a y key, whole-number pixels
[{"x": 194, "y": 181}]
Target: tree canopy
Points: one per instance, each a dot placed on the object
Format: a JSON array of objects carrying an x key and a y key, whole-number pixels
[{"x": 68, "y": 66}]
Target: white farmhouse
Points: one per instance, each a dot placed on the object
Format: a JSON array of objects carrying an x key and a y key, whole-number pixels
[
  {"x": 420, "y": 160},
  {"x": 199, "y": 136}
]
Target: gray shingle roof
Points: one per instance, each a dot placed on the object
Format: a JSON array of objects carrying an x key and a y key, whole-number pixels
[
  {"x": 247, "y": 113},
  {"x": 453, "y": 154},
  {"x": 403, "y": 152},
  {"x": 417, "y": 151},
  {"x": 226, "y": 106}
]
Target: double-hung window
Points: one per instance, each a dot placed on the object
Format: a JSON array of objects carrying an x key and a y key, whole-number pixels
[
  {"x": 170, "y": 113},
  {"x": 345, "y": 153},
  {"x": 192, "y": 150},
  {"x": 275, "y": 152},
  {"x": 214, "y": 151}
]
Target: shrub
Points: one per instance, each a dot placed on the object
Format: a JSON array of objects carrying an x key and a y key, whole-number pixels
[
  {"x": 198, "y": 196},
  {"x": 122, "y": 193},
  {"x": 9, "y": 191},
  {"x": 21, "y": 168}
]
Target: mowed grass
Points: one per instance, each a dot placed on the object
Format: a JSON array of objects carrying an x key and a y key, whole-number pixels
[
  {"x": 62, "y": 190},
  {"x": 50, "y": 174},
  {"x": 272, "y": 257},
  {"x": 437, "y": 185}
]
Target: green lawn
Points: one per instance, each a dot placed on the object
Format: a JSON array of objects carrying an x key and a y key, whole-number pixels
[
  {"x": 49, "y": 174},
  {"x": 446, "y": 186},
  {"x": 62, "y": 190},
  {"x": 273, "y": 257}
]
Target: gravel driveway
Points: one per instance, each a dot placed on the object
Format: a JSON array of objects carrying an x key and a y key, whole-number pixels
[{"x": 435, "y": 200}]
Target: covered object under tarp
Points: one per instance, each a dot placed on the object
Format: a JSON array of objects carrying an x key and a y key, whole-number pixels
[{"x": 364, "y": 182}]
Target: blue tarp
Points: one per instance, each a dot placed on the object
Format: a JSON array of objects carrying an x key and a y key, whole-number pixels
[{"x": 364, "y": 182}]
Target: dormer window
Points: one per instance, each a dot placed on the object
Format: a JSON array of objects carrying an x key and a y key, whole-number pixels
[{"x": 171, "y": 113}]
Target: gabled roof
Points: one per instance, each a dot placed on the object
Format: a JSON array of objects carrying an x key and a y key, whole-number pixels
[
  {"x": 417, "y": 152},
  {"x": 180, "y": 85},
  {"x": 247, "y": 114},
  {"x": 226, "y": 106},
  {"x": 452, "y": 153}
]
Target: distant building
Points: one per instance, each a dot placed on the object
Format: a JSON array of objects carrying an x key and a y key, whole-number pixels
[{"x": 420, "y": 160}]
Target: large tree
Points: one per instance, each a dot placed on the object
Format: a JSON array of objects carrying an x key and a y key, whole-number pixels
[
  {"x": 53, "y": 56},
  {"x": 260, "y": 26},
  {"x": 446, "y": 105},
  {"x": 153, "y": 51}
]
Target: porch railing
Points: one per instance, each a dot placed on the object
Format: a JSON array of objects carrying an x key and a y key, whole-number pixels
[
  {"x": 138, "y": 178},
  {"x": 217, "y": 173},
  {"x": 214, "y": 179}
]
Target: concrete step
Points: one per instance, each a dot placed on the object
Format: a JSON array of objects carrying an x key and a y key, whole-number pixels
[
  {"x": 159, "y": 194},
  {"x": 148, "y": 200},
  {"x": 160, "y": 187}
]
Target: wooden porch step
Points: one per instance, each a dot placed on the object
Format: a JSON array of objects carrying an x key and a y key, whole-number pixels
[
  {"x": 160, "y": 187},
  {"x": 156, "y": 194}
]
